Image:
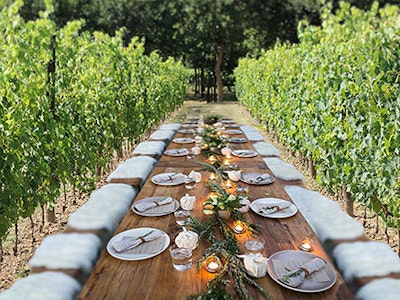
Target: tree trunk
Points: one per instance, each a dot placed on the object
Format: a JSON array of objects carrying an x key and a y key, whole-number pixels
[
  {"x": 202, "y": 82},
  {"x": 218, "y": 63},
  {"x": 1, "y": 252}
]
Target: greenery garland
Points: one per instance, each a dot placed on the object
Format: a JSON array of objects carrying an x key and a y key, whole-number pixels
[
  {"x": 212, "y": 138},
  {"x": 216, "y": 230}
]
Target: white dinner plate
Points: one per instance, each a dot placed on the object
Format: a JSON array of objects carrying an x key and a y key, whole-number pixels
[
  {"x": 183, "y": 140},
  {"x": 237, "y": 140},
  {"x": 244, "y": 153},
  {"x": 282, "y": 213},
  {"x": 231, "y": 125},
  {"x": 233, "y": 131},
  {"x": 132, "y": 233},
  {"x": 307, "y": 286},
  {"x": 186, "y": 131},
  {"x": 168, "y": 178},
  {"x": 176, "y": 152},
  {"x": 188, "y": 125},
  {"x": 249, "y": 178},
  {"x": 157, "y": 211}
]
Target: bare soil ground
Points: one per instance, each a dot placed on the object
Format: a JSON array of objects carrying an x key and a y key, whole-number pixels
[{"x": 31, "y": 234}]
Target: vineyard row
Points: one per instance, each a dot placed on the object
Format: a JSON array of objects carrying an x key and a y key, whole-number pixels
[
  {"x": 335, "y": 99},
  {"x": 69, "y": 100}
]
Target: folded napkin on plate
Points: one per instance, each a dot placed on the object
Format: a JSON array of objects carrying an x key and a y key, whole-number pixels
[
  {"x": 171, "y": 178},
  {"x": 243, "y": 152},
  {"x": 296, "y": 278},
  {"x": 132, "y": 242},
  {"x": 142, "y": 206},
  {"x": 179, "y": 151},
  {"x": 255, "y": 264},
  {"x": 272, "y": 207},
  {"x": 259, "y": 178}
]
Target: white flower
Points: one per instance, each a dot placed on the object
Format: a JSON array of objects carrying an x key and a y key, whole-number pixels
[{"x": 231, "y": 197}]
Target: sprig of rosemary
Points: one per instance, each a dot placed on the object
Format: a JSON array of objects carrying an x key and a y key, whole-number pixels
[
  {"x": 214, "y": 168},
  {"x": 215, "y": 291},
  {"x": 285, "y": 278}
]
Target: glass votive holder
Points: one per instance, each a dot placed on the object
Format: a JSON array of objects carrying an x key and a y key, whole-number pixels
[
  {"x": 233, "y": 166},
  {"x": 242, "y": 189},
  {"x": 255, "y": 244},
  {"x": 181, "y": 257},
  {"x": 213, "y": 264},
  {"x": 190, "y": 154},
  {"x": 190, "y": 183},
  {"x": 212, "y": 176},
  {"x": 306, "y": 244},
  {"x": 181, "y": 217}
]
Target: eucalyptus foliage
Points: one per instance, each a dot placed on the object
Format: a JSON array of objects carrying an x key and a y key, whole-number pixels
[{"x": 334, "y": 97}]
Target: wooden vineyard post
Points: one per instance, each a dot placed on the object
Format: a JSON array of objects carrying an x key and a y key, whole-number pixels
[
  {"x": 398, "y": 240},
  {"x": 349, "y": 202},
  {"x": 311, "y": 167},
  {"x": 51, "y": 71},
  {"x": 50, "y": 214},
  {"x": 1, "y": 252}
]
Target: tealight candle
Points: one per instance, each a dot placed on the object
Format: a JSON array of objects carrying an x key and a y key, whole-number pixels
[
  {"x": 212, "y": 159},
  {"x": 238, "y": 227},
  {"x": 228, "y": 156},
  {"x": 212, "y": 176},
  {"x": 228, "y": 184},
  {"x": 213, "y": 264},
  {"x": 306, "y": 244},
  {"x": 213, "y": 195}
]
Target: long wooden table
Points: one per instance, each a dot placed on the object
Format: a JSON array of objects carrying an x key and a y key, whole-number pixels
[{"x": 156, "y": 278}]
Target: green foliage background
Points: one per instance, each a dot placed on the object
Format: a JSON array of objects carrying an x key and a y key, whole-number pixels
[
  {"x": 59, "y": 128},
  {"x": 334, "y": 97}
]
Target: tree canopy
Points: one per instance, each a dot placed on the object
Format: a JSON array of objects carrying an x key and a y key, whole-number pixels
[{"x": 207, "y": 34}]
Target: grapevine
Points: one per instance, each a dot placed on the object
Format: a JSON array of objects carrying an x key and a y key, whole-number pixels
[
  {"x": 334, "y": 98},
  {"x": 70, "y": 100}
]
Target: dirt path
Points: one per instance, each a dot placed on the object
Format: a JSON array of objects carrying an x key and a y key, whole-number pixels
[{"x": 14, "y": 267}]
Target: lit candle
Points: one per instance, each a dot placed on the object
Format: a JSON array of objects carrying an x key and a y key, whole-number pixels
[
  {"x": 212, "y": 176},
  {"x": 226, "y": 162},
  {"x": 228, "y": 156},
  {"x": 213, "y": 195},
  {"x": 228, "y": 184},
  {"x": 238, "y": 227},
  {"x": 306, "y": 244},
  {"x": 213, "y": 264},
  {"x": 212, "y": 158}
]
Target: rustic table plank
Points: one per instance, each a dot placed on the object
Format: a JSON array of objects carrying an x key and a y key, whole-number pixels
[{"x": 156, "y": 278}]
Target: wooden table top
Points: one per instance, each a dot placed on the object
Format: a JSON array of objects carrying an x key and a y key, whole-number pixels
[{"x": 155, "y": 278}]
